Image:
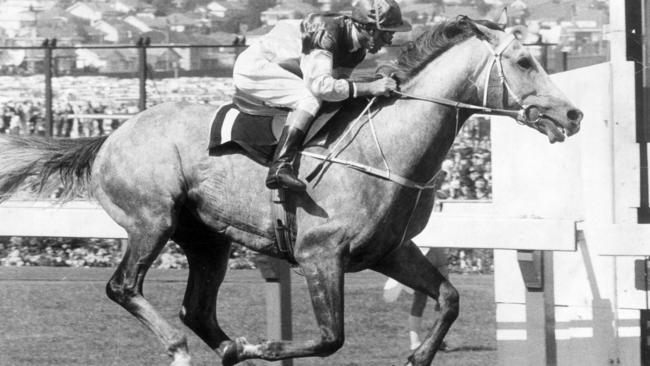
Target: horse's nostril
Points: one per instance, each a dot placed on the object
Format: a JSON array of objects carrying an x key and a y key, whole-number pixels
[{"x": 574, "y": 115}]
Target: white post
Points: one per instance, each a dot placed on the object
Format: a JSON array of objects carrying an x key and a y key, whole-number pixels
[{"x": 277, "y": 275}]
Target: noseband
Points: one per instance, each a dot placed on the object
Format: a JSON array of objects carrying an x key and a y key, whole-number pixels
[{"x": 526, "y": 114}]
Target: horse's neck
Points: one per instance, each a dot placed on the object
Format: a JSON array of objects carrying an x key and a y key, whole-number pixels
[
  {"x": 421, "y": 132},
  {"x": 453, "y": 75}
]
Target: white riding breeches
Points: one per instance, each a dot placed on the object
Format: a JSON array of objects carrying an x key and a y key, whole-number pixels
[{"x": 256, "y": 75}]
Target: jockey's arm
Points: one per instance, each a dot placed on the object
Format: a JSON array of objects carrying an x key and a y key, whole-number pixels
[{"x": 317, "y": 70}]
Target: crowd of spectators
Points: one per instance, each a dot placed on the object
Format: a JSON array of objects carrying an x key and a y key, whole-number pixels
[
  {"x": 27, "y": 117},
  {"x": 468, "y": 164},
  {"x": 23, "y": 111},
  {"x": 57, "y": 252},
  {"x": 470, "y": 261},
  {"x": 66, "y": 252}
]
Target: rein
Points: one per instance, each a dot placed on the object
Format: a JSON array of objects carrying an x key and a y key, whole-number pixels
[
  {"x": 385, "y": 173},
  {"x": 522, "y": 115}
]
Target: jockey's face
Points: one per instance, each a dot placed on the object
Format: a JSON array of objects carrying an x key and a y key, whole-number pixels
[{"x": 374, "y": 39}]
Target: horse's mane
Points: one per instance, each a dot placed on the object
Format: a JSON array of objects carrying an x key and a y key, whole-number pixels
[{"x": 432, "y": 43}]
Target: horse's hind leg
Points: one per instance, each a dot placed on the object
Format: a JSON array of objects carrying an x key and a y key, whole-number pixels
[
  {"x": 125, "y": 287},
  {"x": 208, "y": 262},
  {"x": 409, "y": 266}
]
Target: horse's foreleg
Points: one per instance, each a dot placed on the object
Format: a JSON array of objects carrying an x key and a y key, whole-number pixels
[
  {"x": 324, "y": 278},
  {"x": 409, "y": 266},
  {"x": 125, "y": 288},
  {"x": 208, "y": 263}
]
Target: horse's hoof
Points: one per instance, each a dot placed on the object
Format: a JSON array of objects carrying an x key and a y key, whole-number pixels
[
  {"x": 232, "y": 351},
  {"x": 182, "y": 360},
  {"x": 230, "y": 355}
]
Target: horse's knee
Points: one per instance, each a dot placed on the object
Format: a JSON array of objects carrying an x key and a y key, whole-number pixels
[
  {"x": 449, "y": 301},
  {"x": 330, "y": 345},
  {"x": 118, "y": 291},
  {"x": 114, "y": 291}
]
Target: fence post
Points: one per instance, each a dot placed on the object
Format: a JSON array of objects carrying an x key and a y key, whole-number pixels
[
  {"x": 277, "y": 275},
  {"x": 47, "y": 65},
  {"x": 142, "y": 70},
  {"x": 537, "y": 271},
  {"x": 565, "y": 58},
  {"x": 545, "y": 56},
  {"x": 240, "y": 45}
]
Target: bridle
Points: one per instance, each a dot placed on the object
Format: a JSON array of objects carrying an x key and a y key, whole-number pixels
[
  {"x": 523, "y": 115},
  {"x": 527, "y": 114}
]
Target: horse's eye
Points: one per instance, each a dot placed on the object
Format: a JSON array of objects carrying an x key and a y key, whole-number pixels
[{"x": 525, "y": 63}]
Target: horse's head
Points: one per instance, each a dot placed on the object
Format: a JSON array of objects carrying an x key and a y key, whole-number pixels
[
  {"x": 506, "y": 77},
  {"x": 513, "y": 79}
]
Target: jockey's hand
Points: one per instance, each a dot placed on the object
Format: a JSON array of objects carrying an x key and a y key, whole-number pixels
[{"x": 383, "y": 86}]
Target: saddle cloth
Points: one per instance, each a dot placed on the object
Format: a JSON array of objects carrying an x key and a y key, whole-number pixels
[{"x": 256, "y": 134}]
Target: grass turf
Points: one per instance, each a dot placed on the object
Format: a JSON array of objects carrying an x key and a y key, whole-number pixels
[{"x": 61, "y": 316}]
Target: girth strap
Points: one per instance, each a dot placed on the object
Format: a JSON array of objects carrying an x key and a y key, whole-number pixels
[{"x": 380, "y": 173}]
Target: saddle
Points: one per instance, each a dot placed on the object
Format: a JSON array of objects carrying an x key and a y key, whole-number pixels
[{"x": 255, "y": 127}]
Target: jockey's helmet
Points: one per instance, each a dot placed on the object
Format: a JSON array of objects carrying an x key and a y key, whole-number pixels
[{"x": 384, "y": 14}]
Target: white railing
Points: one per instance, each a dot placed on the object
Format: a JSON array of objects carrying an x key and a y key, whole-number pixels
[{"x": 76, "y": 219}]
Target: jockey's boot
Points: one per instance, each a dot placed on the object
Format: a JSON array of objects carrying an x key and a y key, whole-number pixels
[{"x": 281, "y": 174}]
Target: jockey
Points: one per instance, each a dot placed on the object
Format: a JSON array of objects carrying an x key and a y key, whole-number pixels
[{"x": 300, "y": 64}]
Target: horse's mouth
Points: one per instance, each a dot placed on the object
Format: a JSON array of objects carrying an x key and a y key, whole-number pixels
[{"x": 553, "y": 130}]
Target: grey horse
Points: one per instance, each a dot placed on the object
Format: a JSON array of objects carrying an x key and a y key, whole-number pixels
[{"x": 154, "y": 177}]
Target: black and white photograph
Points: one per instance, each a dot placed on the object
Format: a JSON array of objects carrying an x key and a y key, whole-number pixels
[{"x": 324, "y": 182}]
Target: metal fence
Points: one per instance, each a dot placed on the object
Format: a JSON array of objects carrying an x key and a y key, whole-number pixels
[
  {"x": 551, "y": 56},
  {"x": 143, "y": 68}
]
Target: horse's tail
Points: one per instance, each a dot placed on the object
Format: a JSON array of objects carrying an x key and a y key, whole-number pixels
[{"x": 34, "y": 163}]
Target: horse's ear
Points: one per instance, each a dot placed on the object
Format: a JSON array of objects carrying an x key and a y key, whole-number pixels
[{"x": 502, "y": 19}]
